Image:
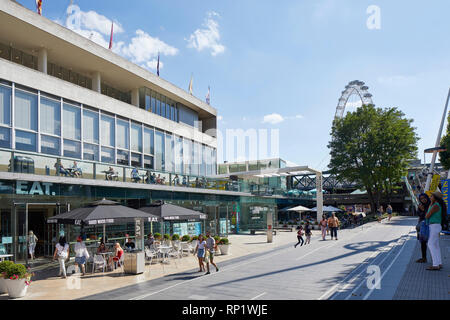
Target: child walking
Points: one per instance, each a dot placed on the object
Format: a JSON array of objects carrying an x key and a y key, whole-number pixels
[
  {"x": 299, "y": 236},
  {"x": 308, "y": 233}
]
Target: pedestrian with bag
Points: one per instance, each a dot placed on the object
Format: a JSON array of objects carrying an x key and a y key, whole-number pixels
[
  {"x": 436, "y": 218},
  {"x": 299, "y": 237},
  {"x": 62, "y": 253},
  {"x": 424, "y": 204},
  {"x": 32, "y": 239}
]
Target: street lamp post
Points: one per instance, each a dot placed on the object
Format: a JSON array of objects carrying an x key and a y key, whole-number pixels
[{"x": 438, "y": 142}]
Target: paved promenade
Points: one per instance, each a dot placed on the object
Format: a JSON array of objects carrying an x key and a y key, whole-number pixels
[{"x": 327, "y": 270}]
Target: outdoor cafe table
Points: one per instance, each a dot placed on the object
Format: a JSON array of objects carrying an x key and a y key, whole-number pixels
[
  {"x": 3, "y": 256},
  {"x": 143, "y": 177},
  {"x": 106, "y": 256},
  {"x": 164, "y": 251}
]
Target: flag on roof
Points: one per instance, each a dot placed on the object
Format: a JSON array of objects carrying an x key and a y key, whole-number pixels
[
  {"x": 208, "y": 96},
  {"x": 157, "y": 66},
  {"x": 39, "y": 6},
  {"x": 111, "y": 37}
]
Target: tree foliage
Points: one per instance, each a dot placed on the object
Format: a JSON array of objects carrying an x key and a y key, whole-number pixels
[{"x": 371, "y": 147}]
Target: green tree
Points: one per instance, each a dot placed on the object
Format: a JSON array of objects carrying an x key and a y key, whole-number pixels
[
  {"x": 444, "y": 157},
  {"x": 371, "y": 147}
]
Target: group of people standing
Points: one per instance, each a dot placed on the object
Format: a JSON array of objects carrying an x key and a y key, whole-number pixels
[{"x": 432, "y": 213}]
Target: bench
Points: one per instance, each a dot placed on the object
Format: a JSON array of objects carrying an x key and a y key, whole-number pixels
[{"x": 253, "y": 231}]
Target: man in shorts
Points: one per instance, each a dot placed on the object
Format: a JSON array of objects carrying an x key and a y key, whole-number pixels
[{"x": 210, "y": 246}]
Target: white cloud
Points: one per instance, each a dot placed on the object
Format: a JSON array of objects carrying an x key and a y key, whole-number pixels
[
  {"x": 142, "y": 49},
  {"x": 219, "y": 118},
  {"x": 299, "y": 116},
  {"x": 208, "y": 37},
  {"x": 273, "y": 118}
]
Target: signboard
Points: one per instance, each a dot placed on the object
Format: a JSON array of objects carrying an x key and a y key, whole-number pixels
[
  {"x": 434, "y": 184},
  {"x": 444, "y": 190}
]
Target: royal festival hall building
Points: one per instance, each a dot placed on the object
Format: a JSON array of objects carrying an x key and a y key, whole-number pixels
[{"x": 65, "y": 99}]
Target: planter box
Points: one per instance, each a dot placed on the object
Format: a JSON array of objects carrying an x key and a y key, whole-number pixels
[
  {"x": 3, "y": 287},
  {"x": 16, "y": 288},
  {"x": 224, "y": 248}
]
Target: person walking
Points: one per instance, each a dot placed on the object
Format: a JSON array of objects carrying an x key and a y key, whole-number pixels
[
  {"x": 380, "y": 213},
  {"x": 299, "y": 237},
  {"x": 32, "y": 239},
  {"x": 81, "y": 255},
  {"x": 211, "y": 247},
  {"x": 200, "y": 251},
  {"x": 424, "y": 204},
  {"x": 323, "y": 227},
  {"x": 389, "y": 212},
  {"x": 333, "y": 224},
  {"x": 308, "y": 232},
  {"x": 62, "y": 253},
  {"x": 435, "y": 216}
]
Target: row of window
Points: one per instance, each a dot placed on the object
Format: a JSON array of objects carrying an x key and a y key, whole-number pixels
[
  {"x": 148, "y": 99},
  {"x": 51, "y": 125}
]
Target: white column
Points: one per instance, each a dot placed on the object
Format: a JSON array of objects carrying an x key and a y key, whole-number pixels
[
  {"x": 97, "y": 82},
  {"x": 319, "y": 196},
  {"x": 42, "y": 60},
  {"x": 269, "y": 226},
  {"x": 135, "y": 97}
]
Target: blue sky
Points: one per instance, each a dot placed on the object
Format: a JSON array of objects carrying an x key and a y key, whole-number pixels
[{"x": 291, "y": 58}]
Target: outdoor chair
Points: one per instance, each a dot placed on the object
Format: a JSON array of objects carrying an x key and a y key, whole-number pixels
[
  {"x": 185, "y": 247},
  {"x": 98, "y": 261},
  {"x": 150, "y": 254},
  {"x": 176, "y": 251}
]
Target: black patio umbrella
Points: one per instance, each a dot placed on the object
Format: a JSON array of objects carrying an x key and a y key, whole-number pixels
[
  {"x": 102, "y": 212},
  {"x": 170, "y": 212}
]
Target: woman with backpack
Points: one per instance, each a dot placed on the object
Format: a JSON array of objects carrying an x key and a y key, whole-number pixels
[
  {"x": 299, "y": 236},
  {"x": 436, "y": 216}
]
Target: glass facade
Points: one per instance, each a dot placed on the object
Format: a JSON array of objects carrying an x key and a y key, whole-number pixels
[
  {"x": 42, "y": 123},
  {"x": 157, "y": 103}
]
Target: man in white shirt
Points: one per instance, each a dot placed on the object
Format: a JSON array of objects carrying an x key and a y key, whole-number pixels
[{"x": 81, "y": 255}]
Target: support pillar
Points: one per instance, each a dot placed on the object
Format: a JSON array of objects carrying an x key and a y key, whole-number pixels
[
  {"x": 135, "y": 97},
  {"x": 42, "y": 60},
  {"x": 319, "y": 196},
  {"x": 97, "y": 82}
]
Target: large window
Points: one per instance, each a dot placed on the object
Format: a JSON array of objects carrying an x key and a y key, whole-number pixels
[
  {"x": 159, "y": 151},
  {"x": 72, "y": 131},
  {"x": 108, "y": 131},
  {"x": 25, "y": 114},
  {"x": 5, "y": 116},
  {"x": 170, "y": 165},
  {"x": 187, "y": 155},
  {"x": 179, "y": 155},
  {"x": 197, "y": 159},
  {"x": 5, "y": 105},
  {"x": 50, "y": 116},
  {"x": 122, "y": 134},
  {"x": 149, "y": 146},
  {"x": 90, "y": 135},
  {"x": 25, "y": 141},
  {"x": 203, "y": 161},
  {"x": 90, "y": 126},
  {"x": 136, "y": 137}
]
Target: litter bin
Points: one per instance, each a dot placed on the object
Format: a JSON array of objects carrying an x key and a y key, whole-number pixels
[
  {"x": 23, "y": 164},
  {"x": 134, "y": 262}
]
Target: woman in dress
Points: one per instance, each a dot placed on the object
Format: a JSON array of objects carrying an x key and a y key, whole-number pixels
[{"x": 200, "y": 251}]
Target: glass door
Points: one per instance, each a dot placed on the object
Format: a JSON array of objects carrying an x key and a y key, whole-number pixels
[{"x": 20, "y": 234}]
